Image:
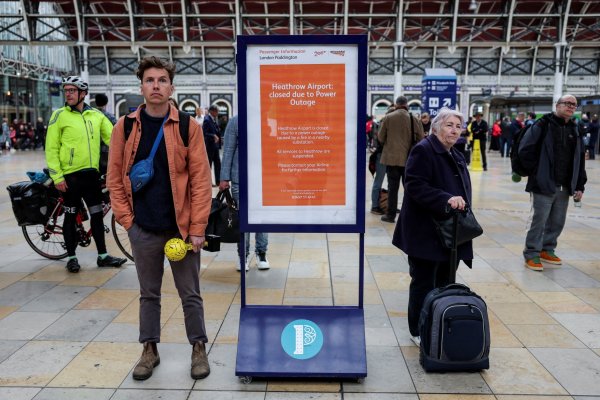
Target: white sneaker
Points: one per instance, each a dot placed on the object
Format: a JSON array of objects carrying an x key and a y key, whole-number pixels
[
  {"x": 237, "y": 267},
  {"x": 262, "y": 262},
  {"x": 416, "y": 340}
]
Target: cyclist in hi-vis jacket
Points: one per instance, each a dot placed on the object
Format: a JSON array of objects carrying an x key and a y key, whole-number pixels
[{"x": 73, "y": 156}]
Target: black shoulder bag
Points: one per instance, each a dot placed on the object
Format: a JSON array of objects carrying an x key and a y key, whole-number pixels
[{"x": 467, "y": 226}]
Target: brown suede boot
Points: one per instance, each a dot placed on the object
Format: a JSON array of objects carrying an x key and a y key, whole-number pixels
[
  {"x": 149, "y": 360},
  {"x": 200, "y": 367}
]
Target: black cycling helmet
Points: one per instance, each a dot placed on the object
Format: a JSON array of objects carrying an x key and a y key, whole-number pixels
[{"x": 75, "y": 81}]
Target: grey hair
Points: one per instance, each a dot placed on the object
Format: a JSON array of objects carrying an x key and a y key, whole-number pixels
[{"x": 442, "y": 116}]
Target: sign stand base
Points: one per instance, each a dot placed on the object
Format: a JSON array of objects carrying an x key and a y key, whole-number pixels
[{"x": 340, "y": 352}]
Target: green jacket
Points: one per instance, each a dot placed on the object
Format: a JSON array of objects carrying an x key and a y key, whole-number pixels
[{"x": 73, "y": 140}]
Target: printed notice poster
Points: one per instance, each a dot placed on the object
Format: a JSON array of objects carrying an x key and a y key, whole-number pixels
[
  {"x": 302, "y": 134},
  {"x": 303, "y": 159}
]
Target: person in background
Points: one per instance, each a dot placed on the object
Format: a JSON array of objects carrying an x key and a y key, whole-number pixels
[
  {"x": 479, "y": 130},
  {"x": 223, "y": 121},
  {"x": 378, "y": 177},
  {"x": 101, "y": 101},
  {"x": 554, "y": 152},
  {"x": 199, "y": 115},
  {"x": 73, "y": 158},
  {"x": 594, "y": 128},
  {"x": 40, "y": 133},
  {"x": 396, "y": 137},
  {"x": 5, "y": 136},
  {"x": 23, "y": 139},
  {"x": 426, "y": 122},
  {"x": 436, "y": 179},
  {"x": 230, "y": 177},
  {"x": 496, "y": 132},
  {"x": 516, "y": 125},
  {"x": 369, "y": 131},
  {"x": 506, "y": 137},
  {"x": 212, "y": 140},
  {"x": 531, "y": 117}
]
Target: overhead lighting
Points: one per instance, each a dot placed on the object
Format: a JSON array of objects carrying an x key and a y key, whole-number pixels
[{"x": 473, "y": 5}]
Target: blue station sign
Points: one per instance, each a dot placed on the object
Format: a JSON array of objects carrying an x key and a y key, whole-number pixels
[{"x": 438, "y": 90}]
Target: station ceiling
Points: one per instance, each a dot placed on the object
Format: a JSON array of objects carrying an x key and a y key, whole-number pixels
[{"x": 191, "y": 24}]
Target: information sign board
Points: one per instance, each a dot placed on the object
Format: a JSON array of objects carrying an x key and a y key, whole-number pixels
[
  {"x": 302, "y": 126},
  {"x": 438, "y": 90}
]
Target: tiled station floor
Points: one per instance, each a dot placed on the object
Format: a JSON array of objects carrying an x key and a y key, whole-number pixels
[{"x": 74, "y": 336}]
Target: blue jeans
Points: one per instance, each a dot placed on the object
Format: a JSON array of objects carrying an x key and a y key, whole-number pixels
[
  {"x": 377, "y": 182},
  {"x": 262, "y": 238},
  {"x": 505, "y": 143},
  {"x": 547, "y": 222}
]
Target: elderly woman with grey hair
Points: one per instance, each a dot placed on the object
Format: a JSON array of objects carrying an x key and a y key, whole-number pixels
[{"x": 436, "y": 178}]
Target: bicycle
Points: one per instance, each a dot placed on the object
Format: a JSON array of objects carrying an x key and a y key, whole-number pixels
[{"x": 47, "y": 239}]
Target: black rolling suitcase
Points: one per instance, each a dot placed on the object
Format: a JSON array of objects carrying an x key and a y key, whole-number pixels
[{"x": 454, "y": 326}]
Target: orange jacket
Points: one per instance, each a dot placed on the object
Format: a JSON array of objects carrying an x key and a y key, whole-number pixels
[{"x": 188, "y": 168}]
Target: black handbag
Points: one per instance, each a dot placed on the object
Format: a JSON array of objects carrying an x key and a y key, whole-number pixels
[
  {"x": 223, "y": 220},
  {"x": 468, "y": 228}
]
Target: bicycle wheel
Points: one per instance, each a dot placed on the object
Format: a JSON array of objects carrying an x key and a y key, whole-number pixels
[
  {"x": 121, "y": 237},
  {"x": 46, "y": 240}
]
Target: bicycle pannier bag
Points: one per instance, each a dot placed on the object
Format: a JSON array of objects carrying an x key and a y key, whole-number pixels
[{"x": 29, "y": 202}]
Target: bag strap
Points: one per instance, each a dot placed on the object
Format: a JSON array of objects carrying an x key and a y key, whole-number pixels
[
  {"x": 184, "y": 127},
  {"x": 128, "y": 125},
  {"x": 226, "y": 195},
  {"x": 158, "y": 139},
  {"x": 412, "y": 130}
]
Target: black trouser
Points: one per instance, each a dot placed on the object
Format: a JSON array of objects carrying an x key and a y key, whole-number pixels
[
  {"x": 482, "y": 146},
  {"x": 591, "y": 148},
  {"x": 426, "y": 275},
  {"x": 83, "y": 184},
  {"x": 213, "y": 157},
  {"x": 394, "y": 175}
]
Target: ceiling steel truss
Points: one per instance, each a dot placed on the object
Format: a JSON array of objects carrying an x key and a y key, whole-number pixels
[{"x": 212, "y": 23}]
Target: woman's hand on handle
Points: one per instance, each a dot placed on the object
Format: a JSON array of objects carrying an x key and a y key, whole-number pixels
[{"x": 457, "y": 202}]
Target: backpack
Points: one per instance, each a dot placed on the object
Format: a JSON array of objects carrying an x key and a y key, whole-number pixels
[
  {"x": 184, "y": 126},
  {"x": 454, "y": 330},
  {"x": 515, "y": 161}
]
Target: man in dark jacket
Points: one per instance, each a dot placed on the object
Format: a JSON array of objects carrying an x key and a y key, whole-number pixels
[
  {"x": 479, "y": 129},
  {"x": 212, "y": 140},
  {"x": 554, "y": 152},
  {"x": 506, "y": 137},
  {"x": 399, "y": 130},
  {"x": 594, "y": 128}
]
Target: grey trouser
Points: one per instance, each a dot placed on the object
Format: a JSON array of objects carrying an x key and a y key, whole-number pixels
[
  {"x": 148, "y": 252},
  {"x": 547, "y": 222}
]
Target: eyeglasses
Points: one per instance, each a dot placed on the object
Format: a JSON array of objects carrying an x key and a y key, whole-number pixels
[
  {"x": 568, "y": 104},
  {"x": 70, "y": 91}
]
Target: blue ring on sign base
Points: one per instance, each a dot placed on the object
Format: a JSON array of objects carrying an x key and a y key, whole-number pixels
[{"x": 302, "y": 339}]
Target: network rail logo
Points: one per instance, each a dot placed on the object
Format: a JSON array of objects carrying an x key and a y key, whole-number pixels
[
  {"x": 340, "y": 53},
  {"x": 302, "y": 339}
]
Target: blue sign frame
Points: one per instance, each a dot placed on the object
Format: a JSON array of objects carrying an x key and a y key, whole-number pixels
[
  {"x": 360, "y": 41},
  {"x": 303, "y": 341}
]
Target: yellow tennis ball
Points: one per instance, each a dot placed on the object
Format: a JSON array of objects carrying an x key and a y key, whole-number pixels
[{"x": 176, "y": 249}]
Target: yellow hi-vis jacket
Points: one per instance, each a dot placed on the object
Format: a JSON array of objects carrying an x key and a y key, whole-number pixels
[{"x": 73, "y": 140}]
